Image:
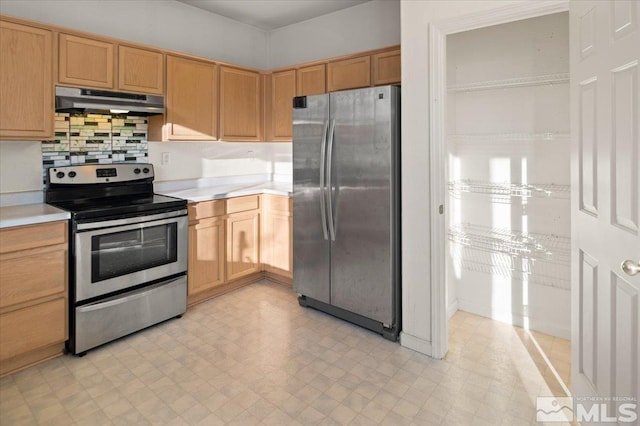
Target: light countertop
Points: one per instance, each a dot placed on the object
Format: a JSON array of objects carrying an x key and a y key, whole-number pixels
[
  {"x": 29, "y": 214},
  {"x": 216, "y": 192}
]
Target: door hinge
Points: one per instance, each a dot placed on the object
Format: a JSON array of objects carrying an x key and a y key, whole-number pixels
[{"x": 441, "y": 209}]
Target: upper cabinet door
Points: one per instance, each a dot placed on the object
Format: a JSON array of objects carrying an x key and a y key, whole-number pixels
[
  {"x": 386, "y": 68},
  {"x": 349, "y": 73},
  {"x": 283, "y": 90},
  {"x": 240, "y": 105},
  {"x": 85, "y": 62},
  {"x": 311, "y": 80},
  {"x": 140, "y": 70},
  {"x": 26, "y": 83},
  {"x": 192, "y": 99}
]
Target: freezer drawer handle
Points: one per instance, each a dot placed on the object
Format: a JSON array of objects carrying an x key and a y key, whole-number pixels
[
  {"x": 323, "y": 187},
  {"x": 332, "y": 229}
]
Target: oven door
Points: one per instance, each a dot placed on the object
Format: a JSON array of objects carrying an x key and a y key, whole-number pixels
[{"x": 118, "y": 254}]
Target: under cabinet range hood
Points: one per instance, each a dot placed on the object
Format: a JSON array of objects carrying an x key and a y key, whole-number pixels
[{"x": 73, "y": 99}]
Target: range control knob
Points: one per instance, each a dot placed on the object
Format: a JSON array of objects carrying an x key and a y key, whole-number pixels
[
  {"x": 136, "y": 171},
  {"x": 60, "y": 175},
  {"x": 72, "y": 174},
  {"x": 146, "y": 170}
]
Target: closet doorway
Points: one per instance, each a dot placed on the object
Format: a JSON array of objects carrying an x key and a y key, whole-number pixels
[{"x": 504, "y": 132}]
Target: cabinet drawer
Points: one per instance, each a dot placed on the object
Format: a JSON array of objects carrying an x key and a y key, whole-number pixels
[
  {"x": 31, "y": 328},
  {"x": 32, "y": 274},
  {"x": 278, "y": 204},
  {"x": 242, "y": 204},
  {"x": 205, "y": 209},
  {"x": 30, "y": 236}
]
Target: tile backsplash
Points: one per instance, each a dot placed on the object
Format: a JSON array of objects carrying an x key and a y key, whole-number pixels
[{"x": 96, "y": 139}]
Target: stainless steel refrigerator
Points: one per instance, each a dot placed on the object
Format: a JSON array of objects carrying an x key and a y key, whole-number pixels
[{"x": 346, "y": 199}]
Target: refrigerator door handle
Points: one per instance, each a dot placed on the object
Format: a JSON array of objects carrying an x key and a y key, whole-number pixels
[
  {"x": 323, "y": 188},
  {"x": 332, "y": 229}
]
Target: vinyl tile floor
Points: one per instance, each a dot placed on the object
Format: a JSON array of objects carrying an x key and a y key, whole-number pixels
[{"x": 255, "y": 357}]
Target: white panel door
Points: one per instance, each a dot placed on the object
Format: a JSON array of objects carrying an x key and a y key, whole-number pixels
[{"x": 605, "y": 90}]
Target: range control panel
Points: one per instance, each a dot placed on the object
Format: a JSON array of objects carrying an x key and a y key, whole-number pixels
[{"x": 100, "y": 173}]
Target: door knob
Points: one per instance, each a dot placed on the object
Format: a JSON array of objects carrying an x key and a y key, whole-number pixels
[{"x": 630, "y": 267}]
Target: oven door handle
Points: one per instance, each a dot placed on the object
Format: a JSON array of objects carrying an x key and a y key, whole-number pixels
[
  {"x": 87, "y": 234},
  {"x": 129, "y": 221}
]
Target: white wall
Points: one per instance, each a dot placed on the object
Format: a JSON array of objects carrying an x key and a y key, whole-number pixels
[
  {"x": 416, "y": 211},
  {"x": 193, "y": 160},
  {"x": 368, "y": 26},
  {"x": 20, "y": 166},
  {"x": 160, "y": 23}
]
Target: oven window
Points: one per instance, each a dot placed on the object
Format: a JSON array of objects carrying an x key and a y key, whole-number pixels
[{"x": 121, "y": 253}]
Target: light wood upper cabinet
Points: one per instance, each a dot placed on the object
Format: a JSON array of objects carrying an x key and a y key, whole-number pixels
[
  {"x": 243, "y": 244},
  {"x": 349, "y": 73},
  {"x": 386, "y": 68},
  {"x": 26, "y": 82},
  {"x": 311, "y": 80},
  {"x": 140, "y": 70},
  {"x": 280, "y": 109},
  {"x": 85, "y": 62},
  {"x": 240, "y": 105},
  {"x": 192, "y": 100}
]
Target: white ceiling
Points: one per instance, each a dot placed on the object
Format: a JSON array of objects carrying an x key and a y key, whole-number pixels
[{"x": 272, "y": 14}]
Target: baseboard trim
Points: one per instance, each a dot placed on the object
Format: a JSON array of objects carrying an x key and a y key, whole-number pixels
[
  {"x": 278, "y": 279},
  {"x": 452, "y": 309},
  {"x": 29, "y": 359},
  {"x": 223, "y": 288},
  {"x": 515, "y": 319},
  {"x": 194, "y": 299},
  {"x": 415, "y": 343}
]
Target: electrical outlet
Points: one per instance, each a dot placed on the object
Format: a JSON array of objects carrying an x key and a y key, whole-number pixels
[{"x": 165, "y": 158}]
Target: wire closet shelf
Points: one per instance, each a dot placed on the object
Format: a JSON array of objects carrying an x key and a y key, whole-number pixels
[
  {"x": 540, "y": 80},
  {"x": 505, "y": 192},
  {"x": 484, "y": 138},
  {"x": 535, "y": 257}
]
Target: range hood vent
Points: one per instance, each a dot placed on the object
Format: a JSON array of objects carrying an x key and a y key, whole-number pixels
[{"x": 72, "y": 99}]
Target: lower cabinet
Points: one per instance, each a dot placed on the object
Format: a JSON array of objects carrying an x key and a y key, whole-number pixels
[
  {"x": 239, "y": 240},
  {"x": 206, "y": 255},
  {"x": 33, "y": 294},
  {"x": 277, "y": 237},
  {"x": 243, "y": 244},
  {"x": 224, "y": 246}
]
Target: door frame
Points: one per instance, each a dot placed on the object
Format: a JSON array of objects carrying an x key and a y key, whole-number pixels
[{"x": 438, "y": 32}]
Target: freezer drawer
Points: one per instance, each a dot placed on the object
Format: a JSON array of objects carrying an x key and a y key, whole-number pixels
[{"x": 117, "y": 316}]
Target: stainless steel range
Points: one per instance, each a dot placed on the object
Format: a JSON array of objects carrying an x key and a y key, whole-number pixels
[{"x": 128, "y": 251}]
